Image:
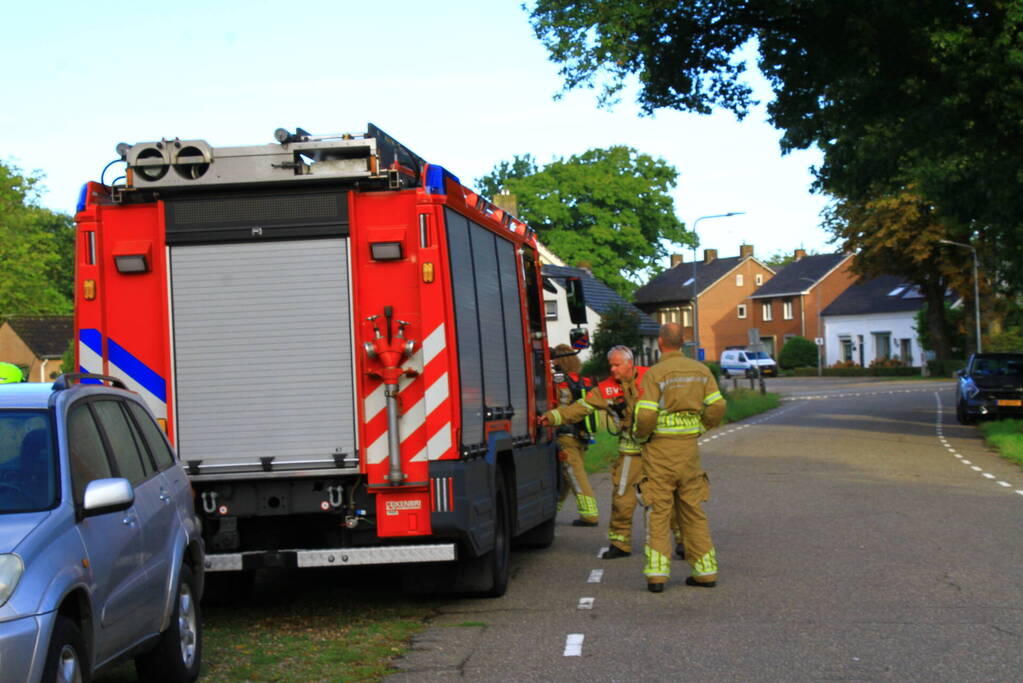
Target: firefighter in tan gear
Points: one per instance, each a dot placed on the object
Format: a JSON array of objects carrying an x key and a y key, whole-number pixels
[
  {"x": 680, "y": 400},
  {"x": 617, "y": 396},
  {"x": 572, "y": 442}
]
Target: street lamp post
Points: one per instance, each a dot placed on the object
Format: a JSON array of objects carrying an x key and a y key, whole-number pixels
[
  {"x": 696, "y": 316},
  {"x": 976, "y": 286},
  {"x": 820, "y": 331}
]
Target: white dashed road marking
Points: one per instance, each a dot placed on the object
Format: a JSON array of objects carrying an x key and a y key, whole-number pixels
[
  {"x": 586, "y": 603},
  {"x": 574, "y": 645},
  {"x": 975, "y": 468},
  {"x": 595, "y": 576}
]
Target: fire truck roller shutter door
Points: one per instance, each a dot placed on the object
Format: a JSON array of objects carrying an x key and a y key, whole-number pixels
[
  {"x": 513, "y": 332},
  {"x": 470, "y": 367},
  {"x": 263, "y": 308}
]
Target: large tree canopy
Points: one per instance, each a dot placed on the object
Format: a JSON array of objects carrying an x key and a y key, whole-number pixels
[
  {"x": 900, "y": 235},
  {"x": 895, "y": 92},
  {"x": 36, "y": 250},
  {"x": 606, "y": 209}
]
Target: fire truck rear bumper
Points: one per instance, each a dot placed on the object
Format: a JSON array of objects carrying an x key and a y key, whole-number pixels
[{"x": 331, "y": 557}]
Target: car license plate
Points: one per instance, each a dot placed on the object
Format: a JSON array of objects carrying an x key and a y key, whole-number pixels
[{"x": 1012, "y": 402}]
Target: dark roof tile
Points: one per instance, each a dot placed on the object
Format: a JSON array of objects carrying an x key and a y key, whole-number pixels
[
  {"x": 790, "y": 280},
  {"x": 600, "y": 297},
  {"x": 46, "y": 335}
]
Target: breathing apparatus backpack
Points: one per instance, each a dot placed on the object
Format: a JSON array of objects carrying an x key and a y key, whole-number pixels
[{"x": 578, "y": 386}]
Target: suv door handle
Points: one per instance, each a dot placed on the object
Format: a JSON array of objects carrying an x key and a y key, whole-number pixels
[{"x": 164, "y": 496}]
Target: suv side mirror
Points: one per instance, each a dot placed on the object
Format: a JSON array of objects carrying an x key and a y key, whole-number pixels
[
  {"x": 576, "y": 300},
  {"x": 107, "y": 495}
]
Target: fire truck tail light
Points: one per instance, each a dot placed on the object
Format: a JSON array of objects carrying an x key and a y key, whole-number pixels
[
  {"x": 386, "y": 251},
  {"x": 131, "y": 263},
  {"x": 427, "y": 272},
  {"x": 89, "y": 290}
]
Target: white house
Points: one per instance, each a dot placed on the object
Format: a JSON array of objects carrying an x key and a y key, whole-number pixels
[
  {"x": 873, "y": 320},
  {"x": 599, "y": 298}
]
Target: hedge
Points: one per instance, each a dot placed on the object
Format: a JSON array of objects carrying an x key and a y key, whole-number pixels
[{"x": 856, "y": 372}]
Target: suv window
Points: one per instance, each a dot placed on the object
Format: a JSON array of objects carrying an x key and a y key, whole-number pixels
[
  {"x": 27, "y": 463},
  {"x": 86, "y": 452},
  {"x": 125, "y": 448},
  {"x": 162, "y": 455}
]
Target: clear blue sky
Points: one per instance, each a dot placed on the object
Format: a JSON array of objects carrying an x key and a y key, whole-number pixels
[{"x": 463, "y": 84}]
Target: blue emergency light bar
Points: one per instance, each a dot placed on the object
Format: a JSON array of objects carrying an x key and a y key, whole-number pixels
[{"x": 435, "y": 175}]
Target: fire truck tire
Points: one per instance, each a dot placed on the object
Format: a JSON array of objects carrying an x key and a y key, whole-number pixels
[
  {"x": 485, "y": 576},
  {"x": 496, "y": 562},
  {"x": 540, "y": 536},
  {"x": 227, "y": 588}
]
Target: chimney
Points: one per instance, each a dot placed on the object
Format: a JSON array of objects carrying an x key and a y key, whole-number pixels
[
  {"x": 745, "y": 250},
  {"x": 709, "y": 255},
  {"x": 799, "y": 254},
  {"x": 507, "y": 201},
  {"x": 676, "y": 259}
]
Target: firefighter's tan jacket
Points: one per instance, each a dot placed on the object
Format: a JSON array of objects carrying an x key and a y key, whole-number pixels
[
  {"x": 679, "y": 398},
  {"x": 595, "y": 400}
]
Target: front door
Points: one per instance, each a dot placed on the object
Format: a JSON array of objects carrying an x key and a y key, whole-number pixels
[{"x": 113, "y": 541}]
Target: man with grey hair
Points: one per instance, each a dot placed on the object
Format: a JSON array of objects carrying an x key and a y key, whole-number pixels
[{"x": 617, "y": 397}]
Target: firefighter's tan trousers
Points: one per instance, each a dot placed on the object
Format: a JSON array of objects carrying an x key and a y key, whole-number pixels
[
  {"x": 672, "y": 475},
  {"x": 626, "y": 474},
  {"x": 571, "y": 452}
]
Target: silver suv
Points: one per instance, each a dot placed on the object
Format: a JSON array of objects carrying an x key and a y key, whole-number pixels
[{"x": 101, "y": 555}]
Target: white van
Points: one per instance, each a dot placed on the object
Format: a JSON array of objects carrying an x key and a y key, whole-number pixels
[{"x": 744, "y": 363}]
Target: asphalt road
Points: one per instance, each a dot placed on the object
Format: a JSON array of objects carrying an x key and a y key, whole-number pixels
[{"x": 862, "y": 534}]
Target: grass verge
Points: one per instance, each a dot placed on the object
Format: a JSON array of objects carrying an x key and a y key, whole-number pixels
[
  {"x": 1007, "y": 437},
  {"x": 742, "y": 403},
  {"x": 309, "y": 626}
]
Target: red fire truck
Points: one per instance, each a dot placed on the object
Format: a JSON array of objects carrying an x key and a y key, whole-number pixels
[{"x": 345, "y": 344}]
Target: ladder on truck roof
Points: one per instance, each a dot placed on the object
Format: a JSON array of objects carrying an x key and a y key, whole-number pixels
[{"x": 176, "y": 165}]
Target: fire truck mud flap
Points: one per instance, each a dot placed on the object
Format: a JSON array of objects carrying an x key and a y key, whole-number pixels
[{"x": 331, "y": 557}]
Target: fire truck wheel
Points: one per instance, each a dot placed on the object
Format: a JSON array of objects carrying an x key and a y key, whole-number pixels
[
  {"x": 227, "y": 588},
  {"x": 497, "y": 561},
  {"x": 540, "y": 536}
]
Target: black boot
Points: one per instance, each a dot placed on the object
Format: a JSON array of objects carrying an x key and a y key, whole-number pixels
[
  {"x": 613, "y": 553},
  {"x": 655, "y": 587},
  {"x": 583, "y": 522},
  {"x": 680, "y": 551},
  {"x": 690, "y": 581}
]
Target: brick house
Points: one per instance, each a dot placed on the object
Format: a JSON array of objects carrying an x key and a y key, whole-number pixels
[
  {"x": 790, "y": 303},
  {"x": 36, "y": 344},
  {"x": 722, "y": 286}
]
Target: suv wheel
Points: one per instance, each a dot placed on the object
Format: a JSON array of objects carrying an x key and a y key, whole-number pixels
[
  {"x": 65, "y": 658},
  {"x": 177, "y": 656}
]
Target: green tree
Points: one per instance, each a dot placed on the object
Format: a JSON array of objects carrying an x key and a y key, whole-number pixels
[
  {"x": 36, "y": 249},
  {"x": 781, "y": 258},
  {"x": 609, "y": 210},
  {"x": 798, "y": 352},
  {"x": 618, "y": 326},
  {"x": 954, "y": 335},
  {"x": 924, "y": 93},
  {"x": 900, "y": 234}
]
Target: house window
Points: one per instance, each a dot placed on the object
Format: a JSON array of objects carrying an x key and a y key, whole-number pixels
[
  {"x": 759, "y": 279},
  {"x": 766, "y": 310},
  {"x": 551, "y": 307},
  {"x": 882, "y": 345},
  {"x": 741, "y": 310},
  {"x": 786, "y": 309},
  {"x": 906, "y": 351},
  {"x": 738, "y": 280},
  {"x": 847, "y": 349},
  {"x": 687, "y": 317}
]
